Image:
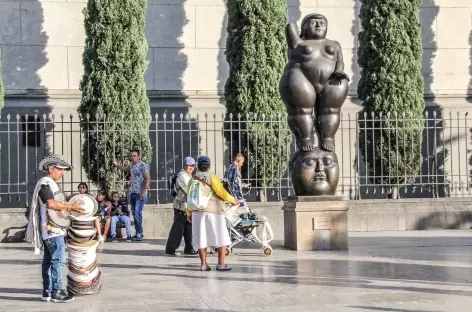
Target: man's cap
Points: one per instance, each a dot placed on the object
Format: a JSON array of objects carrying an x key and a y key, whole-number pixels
[
  {"x": 54, "y": 160},
  {"x": 189, "y": 161},
  {"x": 204, "y": 160}
]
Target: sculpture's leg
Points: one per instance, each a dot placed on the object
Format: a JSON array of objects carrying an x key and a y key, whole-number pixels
[
  {"x": 328, "y": 110},
  {"x": 299, "y": 96},
  {"x": 328, "y": 123},
  {"x": 301, "y": 125}
]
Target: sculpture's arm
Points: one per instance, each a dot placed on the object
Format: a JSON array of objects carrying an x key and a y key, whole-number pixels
[
  {"x": 339, "y": 58},
  {"x": 339, "y": 69},
  {"x": 293, "y": 39}
]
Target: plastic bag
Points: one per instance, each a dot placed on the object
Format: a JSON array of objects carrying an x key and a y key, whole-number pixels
[{"x": 196, "y": 198}]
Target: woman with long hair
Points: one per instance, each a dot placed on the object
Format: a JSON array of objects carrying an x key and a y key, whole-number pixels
[{"x": 103, "y": 213}]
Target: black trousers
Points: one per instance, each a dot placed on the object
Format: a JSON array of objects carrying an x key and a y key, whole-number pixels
[{"x": 180, "y": 227}]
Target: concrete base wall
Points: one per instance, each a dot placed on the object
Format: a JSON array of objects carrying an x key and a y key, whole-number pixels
[{"x": 363, "y": 216}]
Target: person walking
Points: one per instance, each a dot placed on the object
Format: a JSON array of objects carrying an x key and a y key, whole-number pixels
[
  {"x": 46, "y": 235},
  {"x": 140, "y": 182},
  {"x": 181, "y": 226},
  {"x": 209, "y": 224}
]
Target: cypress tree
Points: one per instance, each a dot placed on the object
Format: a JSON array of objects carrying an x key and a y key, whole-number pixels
[
  {"x": 391, "y": 88},
  {"x": 114, "y": 110},
  {"x": 256, "y": 53},
  {"x": 2, "y": 92}
]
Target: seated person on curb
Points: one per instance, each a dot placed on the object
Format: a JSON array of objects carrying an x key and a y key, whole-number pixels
[
  {"x": 103, "y": 213},
  {"x": 119, "y": 212}
]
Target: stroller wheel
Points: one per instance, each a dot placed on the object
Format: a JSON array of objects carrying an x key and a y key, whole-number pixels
[
  {"x": 266, "y": 251},
  {"x": 228, "y": 251}
]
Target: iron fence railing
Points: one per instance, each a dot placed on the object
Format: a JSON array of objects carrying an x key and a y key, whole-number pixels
[{"x": 443, "y": 151}]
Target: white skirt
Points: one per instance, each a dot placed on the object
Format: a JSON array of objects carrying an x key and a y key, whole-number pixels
[{"x": 209, "y": 230}]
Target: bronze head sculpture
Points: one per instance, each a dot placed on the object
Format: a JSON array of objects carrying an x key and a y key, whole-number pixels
[
  {"x": 313, "y": 88},
  {"x": 314, "y": 172}
]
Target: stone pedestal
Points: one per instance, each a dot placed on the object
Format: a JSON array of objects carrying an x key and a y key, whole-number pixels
[{"x": 315, "y": 223}]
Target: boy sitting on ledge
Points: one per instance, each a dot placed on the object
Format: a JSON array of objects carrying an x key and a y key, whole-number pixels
[{"x": 119, "y": 212}]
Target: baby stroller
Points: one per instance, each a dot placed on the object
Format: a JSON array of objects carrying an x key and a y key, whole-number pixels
[{"x": 243, "y": 226}]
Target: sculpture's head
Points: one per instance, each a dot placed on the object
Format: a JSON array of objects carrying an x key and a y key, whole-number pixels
[
  {"x": 314, "y": 26},
  {"x": 314, "y": 172}
]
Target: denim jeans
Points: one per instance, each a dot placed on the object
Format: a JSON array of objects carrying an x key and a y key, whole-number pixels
[
  {"x": 54, "y": 258},
  {"x": 125, "y": 220},
  {"x": 137, "y": 206}
]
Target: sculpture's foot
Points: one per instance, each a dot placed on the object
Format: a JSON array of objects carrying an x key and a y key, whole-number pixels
[
  {"x": 306, "y": 144},
  {"x": 307, "y": 148},
  {"x": 327, "y": 144}
]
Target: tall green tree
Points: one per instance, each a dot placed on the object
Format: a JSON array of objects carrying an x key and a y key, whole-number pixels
[
  {"x": 257, "y": 53},
  {"x": 391, "y": 88},
  {"x": 114, "y": 109},
  {"x": 2, "y": 91}
]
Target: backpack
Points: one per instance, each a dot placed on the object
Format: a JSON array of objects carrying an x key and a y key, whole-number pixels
[
  {"x": 196, "y": 198},
  {"x": 172, "y": 184}
]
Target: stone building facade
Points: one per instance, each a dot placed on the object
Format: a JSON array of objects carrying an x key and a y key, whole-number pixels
[{"x": 42, "y": 44}]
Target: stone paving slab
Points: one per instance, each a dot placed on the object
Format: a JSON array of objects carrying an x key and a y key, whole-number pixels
[{"x": 398, "y": 271}]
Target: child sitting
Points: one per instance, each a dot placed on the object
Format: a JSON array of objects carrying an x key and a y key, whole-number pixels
[
  {"x": 103, "y": 213},
  {"x": 119, "y": 212}
]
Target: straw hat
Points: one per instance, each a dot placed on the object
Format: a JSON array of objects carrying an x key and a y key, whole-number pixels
[
  {"x": 82, "y": 270},
  {"x": 84, "y": 278},
  {"x": 54, "y": 160},
  {"x": 88, "y": 203},
  {"x": 83, "y": 233}
]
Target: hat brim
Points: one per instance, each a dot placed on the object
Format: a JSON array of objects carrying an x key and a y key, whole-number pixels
[
  {"x": 54, "y": 160},
  {"x": 68, "y": 168}
]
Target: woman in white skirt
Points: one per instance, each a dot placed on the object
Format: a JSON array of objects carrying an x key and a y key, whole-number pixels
[{"x": 209, "y": 224}]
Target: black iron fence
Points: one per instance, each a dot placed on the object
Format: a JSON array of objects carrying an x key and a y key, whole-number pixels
[{"x": 442, "y": 152}]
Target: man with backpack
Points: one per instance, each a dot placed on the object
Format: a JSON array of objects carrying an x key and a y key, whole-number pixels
[{"x": 181, "y": 226}]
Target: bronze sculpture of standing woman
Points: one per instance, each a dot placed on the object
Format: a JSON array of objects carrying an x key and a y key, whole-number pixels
[{"x": 313, "y": 82}]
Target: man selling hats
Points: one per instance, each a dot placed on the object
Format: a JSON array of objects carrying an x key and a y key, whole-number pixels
[{"x": 43, "y": 230}]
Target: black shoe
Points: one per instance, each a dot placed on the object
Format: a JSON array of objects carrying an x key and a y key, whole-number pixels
[
  {"x": 172, "y": 254},
  {"x": 190, "y": 252},
  {"x": 62, "y": 297},
  {"x": 46, "y": 296},
  {"x": 137, "y": 238}
]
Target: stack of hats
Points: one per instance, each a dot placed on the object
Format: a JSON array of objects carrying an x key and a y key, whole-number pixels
[{"x": 84, "y": 275}]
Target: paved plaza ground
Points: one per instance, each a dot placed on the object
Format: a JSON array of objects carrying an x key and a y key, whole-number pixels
[{"x": 402, "y": 271}]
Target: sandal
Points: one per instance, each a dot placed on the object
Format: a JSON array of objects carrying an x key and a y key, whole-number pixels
[
  {"x": 223, "y": 267},
  {"x": 205, "y": 268}
]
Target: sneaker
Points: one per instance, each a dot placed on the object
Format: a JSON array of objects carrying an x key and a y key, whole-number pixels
[
  {"x": 137, "y": 238},
  {"x": 128, "y": 238},
  {"x": 46, "y": 296},
  {"x": 113, "y": 239},
  {"x": 101, "y": 239},
  {"x": 62, "y": 297}
]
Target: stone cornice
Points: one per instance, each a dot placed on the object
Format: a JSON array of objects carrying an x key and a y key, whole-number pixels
[{"x": 189, "y": 94}]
